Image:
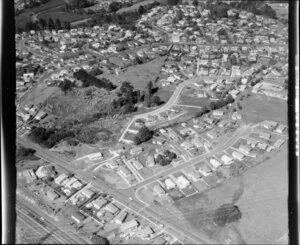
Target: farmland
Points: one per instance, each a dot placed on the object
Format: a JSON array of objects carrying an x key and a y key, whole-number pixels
[{"x": 253, "y": 227}]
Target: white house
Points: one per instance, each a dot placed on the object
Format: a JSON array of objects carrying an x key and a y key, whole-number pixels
[
  {"x": 227, "y": 160},
  {"x": 182, "y": 182}
]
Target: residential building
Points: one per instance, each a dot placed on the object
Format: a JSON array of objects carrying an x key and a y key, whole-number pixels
[
  {"x": 278, "y": 143},
  {"x": 236, "y": 116},
  {"x": 129, "y": 226},
  {"x": 59, "y": 179},
  {"x": 280, "y": 129},
  {"x": 238, "y": 155},
  {"x": 112, "y": 164},
  {"x": 111, "y": 208},
  {"x": 245, "y": 149},
  {"x": 157, "y": 189},
  {"x": 187, "y": 145},
  {"x": 124, "y": 171},
  {"x": 262, "y": 146},
  {"x": 265, "y": 136},
  {"x": 88, "y": 193},
  {"x": 52, "y": 195},
  {"x": 218, "y": 113},
  {"x": 227, "y": 160},
  {"x": 203, "y": 169},
  {"x": 150, "y": 161},
  {"x": 99, "y": 203},
  {"x": 170, "y": 184},
  {"x": 182, "y": 182},
  {"x": 214, "y": 163},
  {"x": 95, "y": 156},
  {"x": 121, "y": 217},
  {"x": 78, "y": 217},
  {"x": 198, "y": 142},
  {"x": 136, "y": 150}
]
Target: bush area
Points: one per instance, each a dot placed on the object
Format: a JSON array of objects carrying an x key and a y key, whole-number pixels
[
  {"x": 166, "y": 158},
  {"x": 49, "y": 137},
  {"x": 227, "y": 213},
  {"x": 89, "y": 80},
  {"x": 143, "y": 135},
  {"x": 96, "y": 239},
  {"x": 24, "y": 153}
]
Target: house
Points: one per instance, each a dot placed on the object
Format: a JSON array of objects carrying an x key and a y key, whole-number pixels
[
  {"x": 225, "y": 170},
  {"x": 212, "y": 135},
  {"x": 136, "y": 150},
  {"x": 68, "y": 182},
  {"x": 192, "y": 174},
  {"x": 112, "y": 164},
  {"x": 124, "y": 171},
  {"x": 52, "y": 195},
  {"x": 265, "y": 136},
  {"x": 150, "y": 162},
  {"x": 41, "y": 115},
  {"x": 129, "y": 226},
  {"x": 262, "y": 146},
  {"x": 78, "y": 217},
  {"x": 111, "y": 208},
  {"x": 58, "y": 180},
  {"x": 227, "y": 160},
  {"x": 88, "y": 193},
  {"x": 278, "y": 143},
  {"x": 99, "y": 203},
  {"x": 182, "y": 182},
  {"x": 280, "y": 129},
  {"x": 245, "y": 149},
  {"x": 136, "y": 163},
  {"x": 187, "y": 145},
  {"x": 158, "y": 141},
  {"x": 76, "y": 185},
  {"x": 215, "y": 163},
  {"x": 238, "y": 155},
  {"x": 170, "y": 184},
  {"x": 29, "y": 175},
  {"x": 197, "y": 142},
  {"x": 218, "y": 113},
  {"x": 204, "y": 169},
  {"x": 252, "y": 143},
  {"x": 157, "y": 189},
  {"x": 43, "y": 171},
  {"x": 270, "y": 124},
  {"x": 95, "y": 156},
  {"x": 146, "y": 233},
  {"x": 236, "y": 116},
  {"x": 121, "y": 217}
]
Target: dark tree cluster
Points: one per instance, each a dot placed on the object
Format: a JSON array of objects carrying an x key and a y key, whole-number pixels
[
  {"x": 89, "y": 80},
  {"x": 227, "y": 213},
  {"x": 79, "y": 4},
  {"x": 127, "y": 98},
  {"x": 49, "y": 137},
  {"x": 150, "y": 98},
  {"x": 165, "y": 158},
  {"x": 66, "y": 85},
  {"x": 222, "y": 102},
  {"x": 24, "y": 153},
  {"x": 43, "y": 24},
  {"x": 143, "y": 135},
  {"x": 96, "y": 239}
]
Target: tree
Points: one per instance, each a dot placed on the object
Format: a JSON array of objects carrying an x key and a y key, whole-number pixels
[
  {"x": 149, "y": 87},
  {"x": 51, "y": 25},
  {"x": 141, "y": 10},
  {"x": 114, "y": 6},
  {"x": 96, "y": 239},
  {"x": 155, "y": 100},
  {"x": 43, "y": 23},
  {"x": 67, "y": 25},
  {"x": 195, "y": 3},
  {"x": 58, "y": 25},
  {"x": 143, "y": 135},
  {"x": 227, "y": 213}
]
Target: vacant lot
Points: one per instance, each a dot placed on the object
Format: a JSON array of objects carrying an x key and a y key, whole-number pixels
[
  {"x": 258, "y": 108},
  {"x": 261, "y": 195},
  {"x": 139, "y": 75}
]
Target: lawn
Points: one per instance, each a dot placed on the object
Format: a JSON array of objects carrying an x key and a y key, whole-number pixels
[
  {"x": 261, "y": 195},
  {"x": 258, "y": 108}
]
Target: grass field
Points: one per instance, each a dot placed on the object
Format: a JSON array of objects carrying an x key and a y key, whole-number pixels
[
  {"x": 258, "y": 108},
  {"x": 138, "y": 75},
  {"x": 261, "y": 195}
]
